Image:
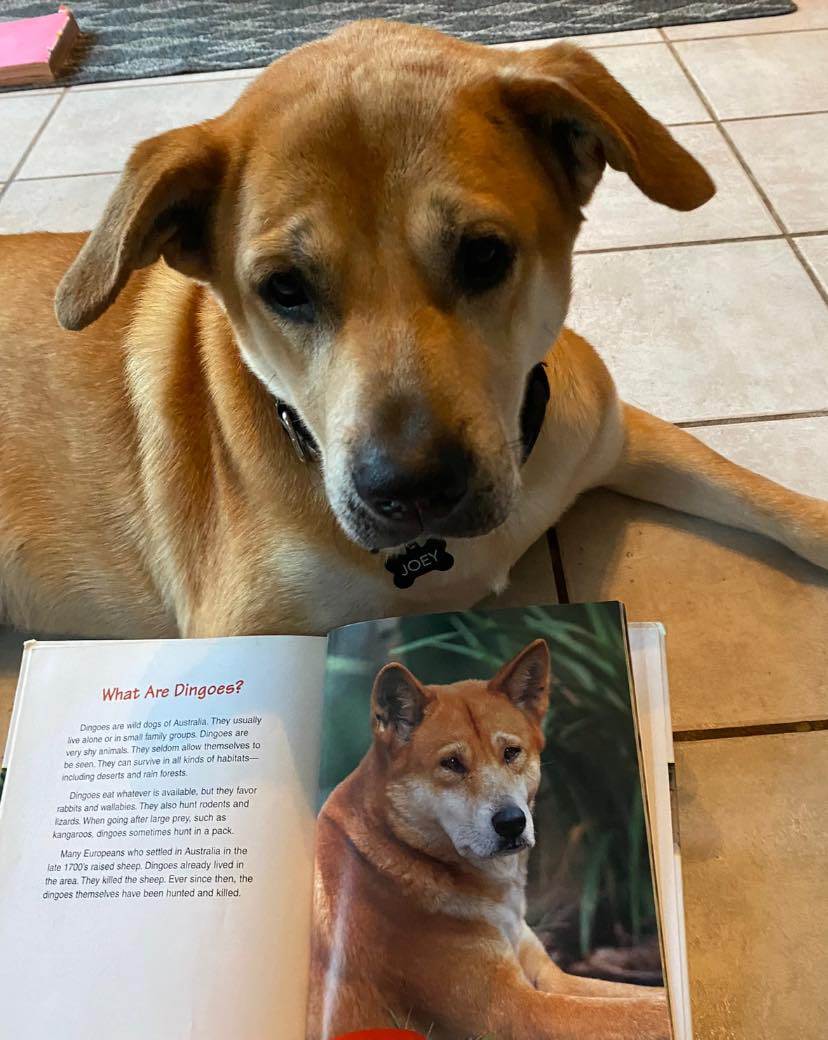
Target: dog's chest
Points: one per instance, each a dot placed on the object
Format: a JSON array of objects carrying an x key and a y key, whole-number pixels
[
  {"x": 504, "y": 914},
  {"x": 337, "y": 591}
]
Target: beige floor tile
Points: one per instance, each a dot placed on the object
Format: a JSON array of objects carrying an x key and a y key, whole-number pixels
[
  {"x": 94, "y": 131},
  {"x": 55, "y": 204},
  {"x": 792, "y": 452},
  {"x": 761, "y": 75},
  {"x": 21, "y": 117},
  {"x": 532, "y": 580},
  {"x": 810, "y": 14},
  {"x": 788, "y": 156},
  {"x": 653, "y": 76},
  {"x": 745, "y": 618},
  {"x": 619, "y": 215},
  {"x": 815, "y": 251},
  {"x": 690, "y": 332},
  {"x": 754, "y": 839}
]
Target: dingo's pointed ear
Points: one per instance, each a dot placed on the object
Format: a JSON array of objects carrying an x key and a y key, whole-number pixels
[
  {"x": 585, "y": 118},
  {"x": 160, "y": 207},
  {"x": 525, "y": 680},
  {"x": 398, "y": 703}
]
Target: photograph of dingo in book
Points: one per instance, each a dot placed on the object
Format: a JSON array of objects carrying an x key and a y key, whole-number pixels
[{"x": 482, "y": 866}]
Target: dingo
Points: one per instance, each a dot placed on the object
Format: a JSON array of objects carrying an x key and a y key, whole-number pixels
[{"x": 421, "y": 865}]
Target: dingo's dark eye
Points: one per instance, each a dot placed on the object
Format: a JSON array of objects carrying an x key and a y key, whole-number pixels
[
  {"x": 454, "y": 765},
  {"x": 511, "y": 753},
  {"x": 287, "y": 294},
  {"x": 482, "y": 262}
]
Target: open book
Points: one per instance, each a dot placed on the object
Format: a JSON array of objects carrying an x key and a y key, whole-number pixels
[{"x": 454, "y": 824}]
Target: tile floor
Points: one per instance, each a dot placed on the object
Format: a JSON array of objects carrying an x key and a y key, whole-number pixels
[{"x": 716, "y": 320}]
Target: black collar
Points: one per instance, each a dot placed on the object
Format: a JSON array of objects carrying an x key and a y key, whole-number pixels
[
  {"x": 532, "y": 412},
  {"x": 300, "y": 436},
  {"x": 533, "y": 409}
]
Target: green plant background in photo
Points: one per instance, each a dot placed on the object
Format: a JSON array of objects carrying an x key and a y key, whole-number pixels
[{"x": 590, "y": 885}]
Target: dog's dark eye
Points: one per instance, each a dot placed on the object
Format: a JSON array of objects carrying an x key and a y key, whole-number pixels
[
  {"x": 286, "y": 292},
  {"x": 454, "y": 765},
  {"x": 510, "y": 754},
  {"x": 482, "y": 263}
]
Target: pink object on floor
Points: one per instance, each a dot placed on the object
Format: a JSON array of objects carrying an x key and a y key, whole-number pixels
[{"x": 32, "y": 49}]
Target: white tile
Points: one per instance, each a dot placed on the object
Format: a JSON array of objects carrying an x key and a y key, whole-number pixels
[
  {"x": 815, "y": 251},
  {"x": 810, "y": 14},
  {"x": 161, "y": 81},
  {"x": 655, "y": 79},
  {"x": 21, "y": 117},
  {"x": 708, "y": 331},
  {"x": 610, "y": 39},
  {"x": 761, "y": 75},
  {"x": 790, "y": 451},
  {"x": 55, "y": 204},
  {"x": 788, "y": 156},
  {"x": 620, "y": 215},
  {"x": 94, "y": 131}
]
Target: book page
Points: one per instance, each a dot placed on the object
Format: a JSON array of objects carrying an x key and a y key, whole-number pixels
[
  {"x": 652, "y": 697},
  {"x": 156, "y": 839},
  {"x": 482, "y": 866}
]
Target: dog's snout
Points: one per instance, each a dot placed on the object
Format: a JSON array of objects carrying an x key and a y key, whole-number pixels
[
  {"x": 509, "y": 822},
  {"x": 412, "y": 488}
]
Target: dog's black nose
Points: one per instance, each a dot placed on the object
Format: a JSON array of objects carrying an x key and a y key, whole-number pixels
[
  {"x": 412, "y": 490},
  {"x": 509, "y": 822}
]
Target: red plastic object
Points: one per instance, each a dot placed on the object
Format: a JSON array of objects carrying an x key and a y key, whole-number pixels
[{"x": 382, "y": 1034}]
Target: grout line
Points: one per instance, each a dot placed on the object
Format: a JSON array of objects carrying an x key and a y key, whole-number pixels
[
  {"x": 684, "y": 736},
  {"x": 547, "y": 41},
  {"x": 554, "y": 547},
  {"x": 749, "y": 174},
  {"x": 775, "y": 115},
  {"x": 614, "y": 46},
  {"x": 680, "y": 245},
  {"x": 797, "y": 252},
  {"x": 69, "y": 176},
  {"x": 692, "y": 424},
  {"x": 35, "y": 138},
  {"x": 162, "y": 81},
  {"x": 739, "y": 35},
  {"x": 700, "y": 242}
]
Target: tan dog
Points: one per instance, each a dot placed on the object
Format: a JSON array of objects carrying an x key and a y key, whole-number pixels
[
  {"x": 420, "y": 873},
  {"x": 379, "y": 234}
]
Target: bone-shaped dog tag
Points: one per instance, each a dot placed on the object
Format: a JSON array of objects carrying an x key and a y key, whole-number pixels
[{"x": 418, "y": 560}]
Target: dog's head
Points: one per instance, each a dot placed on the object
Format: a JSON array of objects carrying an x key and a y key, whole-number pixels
[
  {"x": 462, "y": 763},
  {"x": 387, "y": 218}
]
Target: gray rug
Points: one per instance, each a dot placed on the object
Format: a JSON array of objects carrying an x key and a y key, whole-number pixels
[{"x": 127, "y": 39}]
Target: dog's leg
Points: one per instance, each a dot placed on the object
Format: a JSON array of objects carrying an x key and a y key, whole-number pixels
[
  {"x": 498, "y": 999},
  {"x": 661, "y": 463},
  {"x": 545, "y": 975}
]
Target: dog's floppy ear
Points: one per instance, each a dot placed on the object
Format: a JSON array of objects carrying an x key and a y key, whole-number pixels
[
  {"x": 573, "y": 105},
  {"x": 159, "y": 208},
  {"x": 525, "y": 680},
  {"x": 398, "y": 703}
]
